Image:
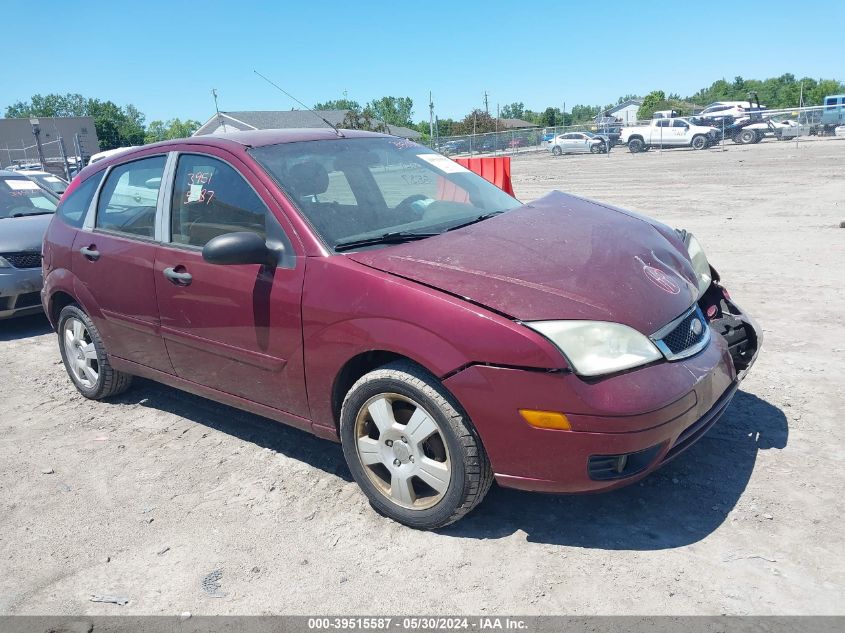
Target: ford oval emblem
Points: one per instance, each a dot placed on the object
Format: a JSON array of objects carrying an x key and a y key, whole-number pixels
[
  {"x": 695, "y": 327},
  {"x": 661, "y": 280}
]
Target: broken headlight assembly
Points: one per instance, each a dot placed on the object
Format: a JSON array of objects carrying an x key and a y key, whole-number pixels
[{"x": 699, "y": 261}]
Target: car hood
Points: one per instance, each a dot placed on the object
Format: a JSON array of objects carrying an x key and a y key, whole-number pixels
[
  {"x": 560, "y": 257},
  {"x": 23, "y": 234}
]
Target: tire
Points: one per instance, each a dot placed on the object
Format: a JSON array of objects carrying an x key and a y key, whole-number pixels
[
  {"x": 84, "y": 356},
  {"x": 398, "y": 425},
  {"x": 747, "y": 137},
  {"x": 556, "y": 151},
  {"x": 596, "y": 148},
  {"x": 636, "y": 145},
  {"x": 699, "y": 141}
]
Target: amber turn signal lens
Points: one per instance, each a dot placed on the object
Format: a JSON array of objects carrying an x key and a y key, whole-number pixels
[{"x": 546, "y": 419}]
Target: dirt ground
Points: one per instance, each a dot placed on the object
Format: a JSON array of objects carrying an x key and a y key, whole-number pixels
[{"x": 180, "y": 504}]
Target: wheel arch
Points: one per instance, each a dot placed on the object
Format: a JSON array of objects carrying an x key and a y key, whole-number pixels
[{"x": 356, "y": 367}]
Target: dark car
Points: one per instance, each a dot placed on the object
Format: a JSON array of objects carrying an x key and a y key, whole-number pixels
[
  {"x": 374, "y": 292},
  {"x": 25, "y": 211}
]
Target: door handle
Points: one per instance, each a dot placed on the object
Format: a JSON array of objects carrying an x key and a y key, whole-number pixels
[
  {"x": 180, "y": 279},
  {"x": 90, "y": 253}
]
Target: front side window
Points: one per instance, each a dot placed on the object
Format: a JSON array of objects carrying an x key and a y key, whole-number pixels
[
  {"x": 678, "y": 123},
  {"x": 211, "y": 198},
  {"x": 72, "y": 209},
  {"x": 361, "y": 188},
  {"x": 128, "y": 199},
  {"x": 21, "y": 196}
]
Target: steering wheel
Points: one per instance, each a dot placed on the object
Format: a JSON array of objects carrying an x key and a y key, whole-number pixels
[{"x": 407, "y": 202}]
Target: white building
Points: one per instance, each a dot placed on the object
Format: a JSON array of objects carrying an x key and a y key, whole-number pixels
[{"x": 627, "y": 111}]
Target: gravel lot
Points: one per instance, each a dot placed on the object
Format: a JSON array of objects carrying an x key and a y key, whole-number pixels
[{"x": 147, "y": 495}]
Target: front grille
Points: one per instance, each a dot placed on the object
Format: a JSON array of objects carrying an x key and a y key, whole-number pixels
[
  {"x": 23, "y": 260},
  {"x": 685, "y": 336}
]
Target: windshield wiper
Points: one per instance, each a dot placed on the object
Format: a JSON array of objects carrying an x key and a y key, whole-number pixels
[
  {"x": 396, "y": 237},
  {"x": 480, "y": 218},
  {"x": 26, "y": 215}
]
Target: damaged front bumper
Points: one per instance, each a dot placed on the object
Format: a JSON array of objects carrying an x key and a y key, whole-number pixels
[{"x": 741, "y": 333}]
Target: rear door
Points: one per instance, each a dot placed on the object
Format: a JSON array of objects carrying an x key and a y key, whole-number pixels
[
  {"x": 113, "y": 258},
  {"x": 237, "y": 328}
]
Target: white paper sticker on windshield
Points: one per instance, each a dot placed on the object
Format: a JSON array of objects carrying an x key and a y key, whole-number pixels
[
  {"x": 195, "y": 193},
  {"x": 51, "y": 179},
  {"x": 21, "y": 185},
  {"x": 444, "y": 164}
]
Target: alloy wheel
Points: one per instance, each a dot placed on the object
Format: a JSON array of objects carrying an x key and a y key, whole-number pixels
[
  {"x": 403, "y": 451},
  {"x": 80, "y": 352}
]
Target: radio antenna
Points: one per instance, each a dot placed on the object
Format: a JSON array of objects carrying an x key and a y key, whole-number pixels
[
  {"x": 216, "y": 109},
  {"x": 285, "y": 92}
]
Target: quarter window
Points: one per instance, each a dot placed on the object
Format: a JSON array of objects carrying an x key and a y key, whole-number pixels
[
  {"x": 128, "y": 200},
  {"x": 210, "y": 198},
  {"x": 73, "y": 208}
]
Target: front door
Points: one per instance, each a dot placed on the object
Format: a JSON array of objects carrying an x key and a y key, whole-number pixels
[
  {"x": 114, "y": 261},
  {"x": 234, "y": 328}
]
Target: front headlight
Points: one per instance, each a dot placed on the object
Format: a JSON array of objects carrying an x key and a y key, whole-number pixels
[
  {"x": 4, "y": 263},
  {"x": 699, "y": 263},
  {"x": 594, "y": 348}
]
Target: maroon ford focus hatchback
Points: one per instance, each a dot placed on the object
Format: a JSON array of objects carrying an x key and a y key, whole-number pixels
[{"x": 369, "y": 290}]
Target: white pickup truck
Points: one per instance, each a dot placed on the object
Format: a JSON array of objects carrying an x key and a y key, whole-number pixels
[{"x": 668, "y": 133}]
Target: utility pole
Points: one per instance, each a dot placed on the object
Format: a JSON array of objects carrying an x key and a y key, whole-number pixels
[
  {"x": 430, "y": 119},
  {"x": 486, "y": 107}
]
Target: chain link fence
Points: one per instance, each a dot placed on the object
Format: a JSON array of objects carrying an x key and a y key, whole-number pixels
[{"x": 782, "y": 124}]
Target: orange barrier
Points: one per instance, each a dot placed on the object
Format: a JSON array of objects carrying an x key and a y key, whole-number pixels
[{"x": 496, "y": 169}]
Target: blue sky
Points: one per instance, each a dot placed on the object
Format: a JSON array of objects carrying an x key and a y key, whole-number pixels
[{"x": 165, "y": 56}]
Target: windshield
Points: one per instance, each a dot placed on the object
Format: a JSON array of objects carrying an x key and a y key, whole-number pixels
[
  {"x": 20, "y": 197},
  {"x": 51, "y": 182},
  {"x": 356, "y": 189}
]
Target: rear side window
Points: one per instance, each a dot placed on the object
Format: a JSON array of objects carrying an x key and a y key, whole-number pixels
[
  {"x": 663, "y": 123},
  {"x": 211, "y": 198},
  {"x": 73, "y": 208},
  {"x": 128, "y": 200}
]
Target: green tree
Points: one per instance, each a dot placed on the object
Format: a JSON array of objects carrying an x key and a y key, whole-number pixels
[
  {"x": 362, "y": 120},
  {"x": 116, "y": 126},
  {"x": 339, "y": 104},
  {"x": 393, "y": 110},
  {"x": 515, "y": 110},
  {"x": 477, "y": 122},
  {"x": 654, "y": 100},
  {"x": 174, "y": 128}
]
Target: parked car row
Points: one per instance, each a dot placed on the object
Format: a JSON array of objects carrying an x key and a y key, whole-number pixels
[{"x": 25, "y": 212}]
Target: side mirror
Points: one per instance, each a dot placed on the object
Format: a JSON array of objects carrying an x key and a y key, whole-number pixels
[{"x": 239, "y": 248}]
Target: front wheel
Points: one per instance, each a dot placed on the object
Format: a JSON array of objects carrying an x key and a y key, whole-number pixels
[
  {"x": 699, "y": 142},
  {"x": 411, "y": 448},
  {"x": 556, "y": 151},
  {"x": 84, "y": 356}
]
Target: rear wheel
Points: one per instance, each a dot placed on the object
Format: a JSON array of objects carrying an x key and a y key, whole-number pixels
[
  {"x": 411, "y": 449},
  {"x": 636, "y": 145},
  {"x": 84, "y": 356},
  {"x": 699, "y": 142},
  {"x": 747, "y": 136}
]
